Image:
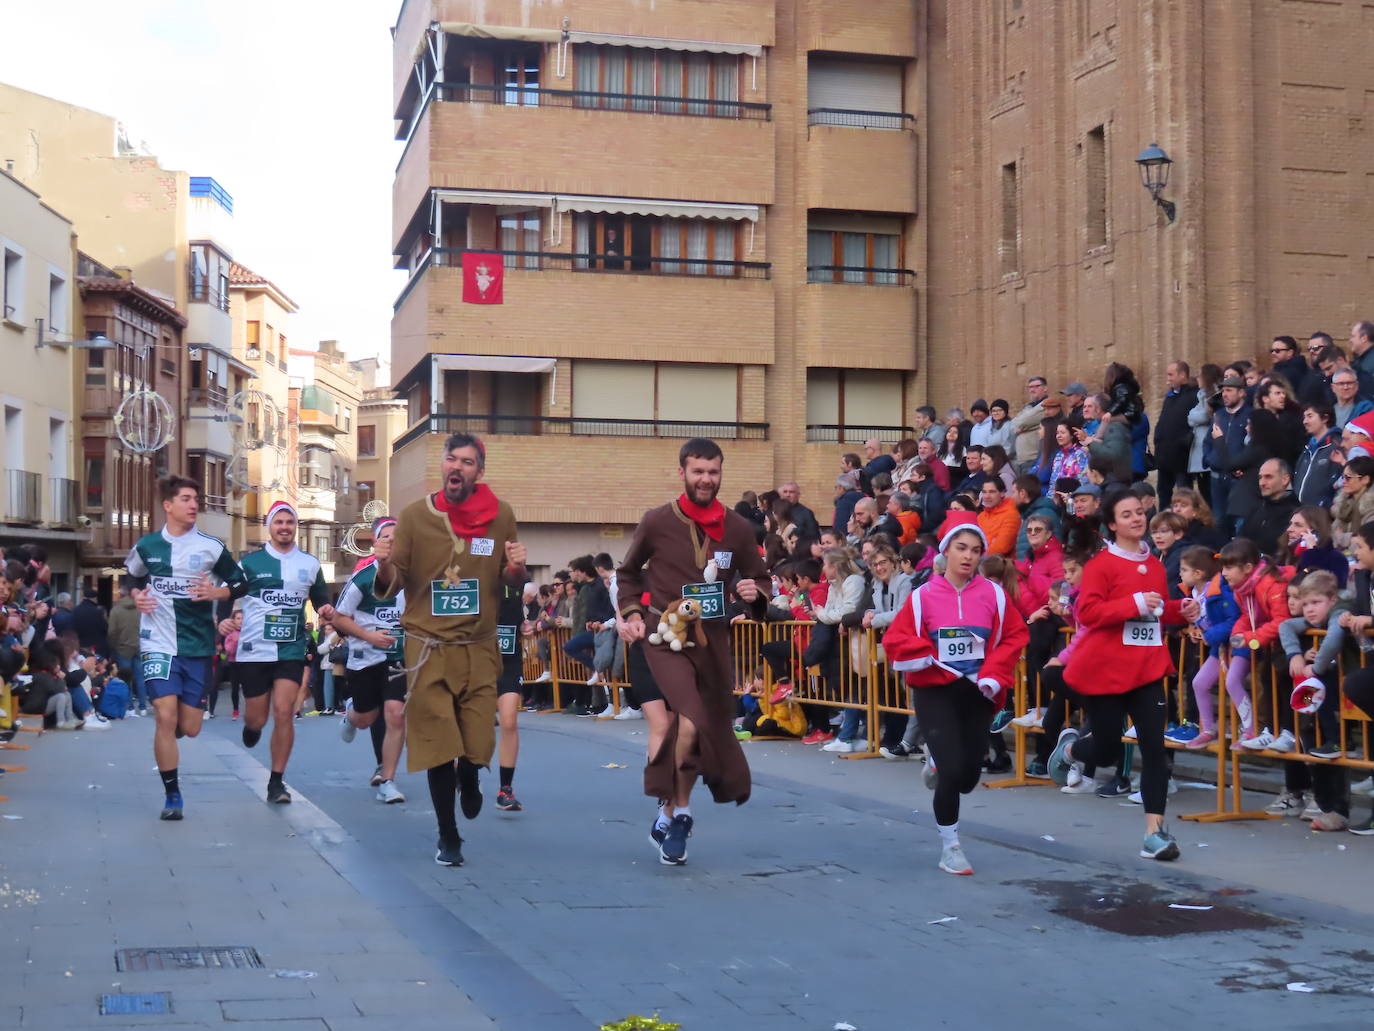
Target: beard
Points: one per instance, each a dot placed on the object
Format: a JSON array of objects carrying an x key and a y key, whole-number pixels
[
  {"x": 703, "y": 494},
  {"x": 457, "y": 490}
]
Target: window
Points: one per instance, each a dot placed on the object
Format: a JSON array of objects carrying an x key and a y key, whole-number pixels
[
  {"x": 14, "y": 286},
  {"x": 95, "y": 359},
  {"x": 634, "y": 77},
  {"x": 520, "y": 75},
  {"x": 864, "y": 401},
  {"x": 367, "y": 491},
  {"x": 666, "y": 391},
  {"x": 95, "y": 482},
  {"x": 1095, "y": 176},
  {"x": 253, "y": 338},
  {"x": 645, "y": 243},
  {"x": 1009, "y": 244},
  {"x": 58, "y": 303},
  {"x": 520, "y": 232},
  {"x": 854, "y": 249},
  {"x": 862, "y": 94}
]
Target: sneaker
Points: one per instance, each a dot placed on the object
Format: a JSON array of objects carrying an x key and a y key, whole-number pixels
[
  {"x": 1115, "y": 788},
  {"x": 897, "y": 751},
  {"x": 578, "y": 710},
  {"x": 657, "y": 832},
  {"x": 1202, "y": 739},
  {"x": 388, "y": 792},
  {"x": 1332, "y": 821},
  {"x": 1085, "y": 786},
  {"x": 571, "y": 709},
  {"x": 315, "y": 712},
  {"x": 1075, "y": 776},
  {"x": 1311, "y": 811},
  {"x": 449, "y": 852},
  {"x": 818, "y": 737},
  {"x": 507, "y": 802},
  {"x": 96, "y": 722},
  {"x": 1257, "y": 742},
  {"x": 837, "y": 719},
  {"x": 1001, "y": 764},
  {"x": 76, "y": 724},
  {"x": 595, "y": 678},
  {"x": 1035, "y": 768},
  {"x": 469, "y": 791},
  {"x": 1130, "y": 734},
  {"x": 209, "y": 715},
  {"x": 999, "y": 724},
  {"x": 377, "y": 777},
  {"x": 673, "y": 851},
  {"x": 929, "y": 775},
  {"x": 1033, "y": 718},
  {"x": 250, "y": 736},
  {"x": 277, "y": 793},
  {"x": 1363, "y": 787},
  {"x": 1159, "y": 845},
  {"x": 628, "y": 713},
  {"x": 1288, "y": 803},
  {"x": 347, "y": 731},
  {"x": 952, "y": 860},
  {"x": 1183, "y": 733},
  {"x": 1058, "y": 766},
  {"x": 1326, "y": 750},
  {"x": 1365, "y": 828},
  {"x": 143, "y": 712},
  {"x": 543, "y": 678},
  {"x": 840, "y": 747},
  {"x": 235, "y": 715},
  {"x": 1285, "y": 742},
  {"x": 171, "y": 806},
  {"x": 607, "y": 713},
  {"x": 742, "y": 735}
]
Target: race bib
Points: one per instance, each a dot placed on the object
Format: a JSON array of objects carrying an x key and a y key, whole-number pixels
[
  {"x": 711, "y": 597},
  {"x": 156, "y": 665},
  {"x": 724, "y": 558},
  {"x": 397, "y": 652},
  {"x": 482, "y": 546},
  {"x": 505, "y": 637},
  {"x": 462, "y": 599},
  {"x": 1142, "y": 633},
  {"x": 278, "y": 628},
  {"x": 955, "y": 644}
]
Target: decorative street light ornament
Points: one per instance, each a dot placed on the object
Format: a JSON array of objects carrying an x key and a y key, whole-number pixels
[
  {"x": 144, "y": 422},
  {"x": 1154, "y": 176}
]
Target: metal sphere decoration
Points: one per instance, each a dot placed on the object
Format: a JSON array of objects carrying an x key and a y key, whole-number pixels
[{"x": 145, "y": 422}]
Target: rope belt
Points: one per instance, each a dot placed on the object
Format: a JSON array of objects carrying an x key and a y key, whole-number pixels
[{"x": 427, "y": 646}]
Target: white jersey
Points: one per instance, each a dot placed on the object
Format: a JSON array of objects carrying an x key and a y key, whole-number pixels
[{"x": 359, "y": 604}]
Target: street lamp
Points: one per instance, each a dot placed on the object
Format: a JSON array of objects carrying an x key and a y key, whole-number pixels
[
  {"x": 96, "y": 342},
  {"x": 1154, "y": 175}
]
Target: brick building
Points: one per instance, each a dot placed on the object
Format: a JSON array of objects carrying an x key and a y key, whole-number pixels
[{"x": 786, "y": 225}]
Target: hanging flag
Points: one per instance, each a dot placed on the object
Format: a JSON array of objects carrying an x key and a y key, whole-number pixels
[{"x": 483, "y": 278}]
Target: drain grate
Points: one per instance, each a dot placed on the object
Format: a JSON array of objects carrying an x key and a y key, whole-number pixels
[
  {"x": 191, "y": 957},
  {"x": 135, "y": 1004}
]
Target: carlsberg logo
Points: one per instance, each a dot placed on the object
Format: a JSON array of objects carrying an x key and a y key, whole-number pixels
[
  {"x": 282, "y": 599},
  {"x": 171, "y": 586},
  {"x": 388, "y": 614}
]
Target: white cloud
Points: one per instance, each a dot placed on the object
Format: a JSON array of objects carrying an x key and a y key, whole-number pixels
[{"x": 287, "y": 103}]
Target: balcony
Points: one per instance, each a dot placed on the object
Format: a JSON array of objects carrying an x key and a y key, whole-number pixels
[
  {"x": 547, "y": 426},
  {"x": 722, "y": 317},
  {"x": 831, "y": 433},
  {"x": 23, "y": 497},
  {"x": 856, "y": 324},
  {"x": 888, "y": 28},
  {"x": 65, "y": 498},
  {"x": 861, "y": 161}
]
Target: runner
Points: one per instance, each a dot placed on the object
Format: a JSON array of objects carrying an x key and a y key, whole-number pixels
[
  {"x": 452, "y": 551},
  {"x": 692, "y": 548},
  {"x": 272, "y": 645},
  {"x": 375, "y": 664},
  {"x": 179, "y": 573},
  {"x": 1119, "y": 662},
  {"x": 957, "y": 639},
  {"x": 510, "y": 627}
]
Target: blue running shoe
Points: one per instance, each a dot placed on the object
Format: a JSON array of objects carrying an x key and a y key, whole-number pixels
[
  {"x": 1182, "y": 734},
  {"x": 1159, "y": 845},
  {"x": 171, "y": 807},
  {"x": 1059, "y": 762}
]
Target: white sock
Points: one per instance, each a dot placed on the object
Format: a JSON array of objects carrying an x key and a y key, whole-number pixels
[
  {"x": 663, "y": 820},
  {"x": 948, "y": 835},
  {"x": 682, "y": 810}
]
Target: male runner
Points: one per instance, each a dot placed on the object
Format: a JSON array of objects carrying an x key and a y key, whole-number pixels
[
  {"x": 672, "y": 548},
  {"x": 511, "y": 626},
  {"x": 272, "y": 644},
  {"x": 452, "y": 551},
  {"x": 178, "y": 575},
  {"x": 376, "y": 663}
]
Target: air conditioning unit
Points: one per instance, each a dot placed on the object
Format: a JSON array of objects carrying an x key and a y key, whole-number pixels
[
  {"x": 254, "y": 353},
  {"x": 195, "y": 354}
]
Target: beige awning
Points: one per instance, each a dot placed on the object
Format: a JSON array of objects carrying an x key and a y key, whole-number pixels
[
  {"x": 496, "y": 197},
  {"x": 665, "y": 43},
  {"x": 670, "y": 208},
  {"x": 495, "y": 363},
  {"x": 524, "y": 32}
]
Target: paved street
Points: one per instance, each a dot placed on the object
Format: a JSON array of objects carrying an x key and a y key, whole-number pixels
[{"x": 816, "y": 903}]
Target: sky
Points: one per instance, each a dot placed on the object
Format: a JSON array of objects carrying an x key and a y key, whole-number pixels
[{"x": 287, "y": 103}]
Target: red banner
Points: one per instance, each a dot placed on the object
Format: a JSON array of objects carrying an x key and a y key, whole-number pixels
[{"x": 483, "y": 278}]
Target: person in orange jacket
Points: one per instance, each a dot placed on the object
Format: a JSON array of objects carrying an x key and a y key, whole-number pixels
[{"x": 999, "y": 519}]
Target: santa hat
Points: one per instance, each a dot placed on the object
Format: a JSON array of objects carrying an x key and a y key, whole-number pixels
[
  {"x": 1363, "y": 425},
  {"x": 1308, "y": 696},
  {"x": 279, "y": 506},
  {"x": 381, "y": 523},
  {"x": 955, "y": 524}
]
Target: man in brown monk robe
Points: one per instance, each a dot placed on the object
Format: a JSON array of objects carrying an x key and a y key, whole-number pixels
[{"x": 691, "y": 548}]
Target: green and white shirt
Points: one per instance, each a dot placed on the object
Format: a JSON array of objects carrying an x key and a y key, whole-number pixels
[
  {"x": 359, "y": 604},
  {"x": 168, "y": 565},
  {"x": 274, "y": 607}
]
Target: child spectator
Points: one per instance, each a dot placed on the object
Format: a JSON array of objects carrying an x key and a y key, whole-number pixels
[
  {"x": 1200, "y": 575},
  {"x": 1261, "y": 594},
  {"x": 1169, "y": 532}
]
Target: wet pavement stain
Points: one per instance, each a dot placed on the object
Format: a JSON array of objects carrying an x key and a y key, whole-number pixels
[{"x": 1141, "y": 910}]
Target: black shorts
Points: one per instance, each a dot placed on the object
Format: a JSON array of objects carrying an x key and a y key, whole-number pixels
[
  {"x": 256, "y": 678},
  {"x": 641, "y": 678},
  {"x": 373, "y": 685},
  {"x": 511, "y": 680}
]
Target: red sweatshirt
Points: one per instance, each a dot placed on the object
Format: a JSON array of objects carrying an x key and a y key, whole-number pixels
[
  {"x": 1111, "y": 613},
  {"x": 1263, "y": 601}
]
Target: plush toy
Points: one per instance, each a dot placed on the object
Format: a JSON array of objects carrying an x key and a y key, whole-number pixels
[{"x": 679, "y": 619}]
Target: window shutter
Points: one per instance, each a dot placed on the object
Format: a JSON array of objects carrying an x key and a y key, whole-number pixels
[{"x": 854, "y": 85}]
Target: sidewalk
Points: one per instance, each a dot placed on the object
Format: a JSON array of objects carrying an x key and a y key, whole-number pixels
[{"x": 87, "y": 851}]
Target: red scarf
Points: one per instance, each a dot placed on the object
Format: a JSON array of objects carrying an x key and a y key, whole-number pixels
[
  {"x": 710, "y": 519},
  {"x": 469, "y": 518}
]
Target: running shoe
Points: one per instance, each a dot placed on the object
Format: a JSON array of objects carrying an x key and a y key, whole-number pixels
[
  {"x": 1059, "y": 764},
  {"x": 673, "y": 851},
  {"x": 1159, "y": 845},
  {"x": 1035, "y": 768},
  {"x": 543, "y": 678},
  {"x": 250, "y": 736},
  {"x": 1365, "y": 828},
  {"x": 628, "y": 713},
  {"x": 209, "y": 715},
  {"x": 1084, "y": 786},
  {"x": 840, "y": 747},
  {"x": 818, "y": 737},
  {"x": 1332, "y": 821},
  {"x": 1075, "y": 776},
  {"x": 469, "y": 791},
  {"x": 1311, "y": 811},
  {"x": 1138, "y": 797},
  {"x": 277, "y": 793},
  {"x": 742, "y": 735},
  {"x": 1285, "y": 742},
  {"x": 1257, "y": 742},
  {"x": 388, "y": 792},
  {"x": 952, "y": 860},
  {"x": 507, "y": 802},
  {"x": 607, "y": 713},
  {"x": 1183, "y": 733},
  {"x": 897, "y": 751},
  {"x": 1001, "y": 764},
  {"x": 171, "y": 806},
  {"x": 1115, "y": 788},
  {"x": 1202, "y": 739},
  {"x": 1363, "y": 787},
  {"x": 999, "y": 722},
  {"x": 929, "y": 775},
  {"x": 1033, "y": 718},
  {"x": 1326, "y": 750},
  {"x": 657, "y": 832},
  {"x": 449, "y": 852},
  {"x": 314, "y": 712},
  {"x": 347, "y": 731},
  {"x": 377, "y": 777},
  {"x": 235, "y": 716}
]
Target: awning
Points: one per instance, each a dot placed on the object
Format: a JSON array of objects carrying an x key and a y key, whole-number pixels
[
  {"x": 499, "y": 198},
  {"x": 524, "y": 32},
  {"x": 663, "y": 43},
  {"x": 495, "y": 363},
  {"x": 672, "y": 208}
]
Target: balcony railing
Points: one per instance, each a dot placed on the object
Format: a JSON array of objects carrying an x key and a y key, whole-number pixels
[
  {"x": 216, "y": 502},
  {"x": 860, "y": 275},
  {"x": 860, "y": 119},
  {"x": 539, "y": 426},
  {"x": 66, "y": 499},
  {"x": 207, "y": 397},
  {"x": 620, "y": 264},
  {"x": 832, "y": 433},
  {"x": 24, "y": 497},
  {"x": 204, "y": 292}
]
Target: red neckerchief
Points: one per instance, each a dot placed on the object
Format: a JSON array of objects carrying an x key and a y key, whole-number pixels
[
  {"x": 710, "y": 519},
  {"x": 469, "y": 518}
]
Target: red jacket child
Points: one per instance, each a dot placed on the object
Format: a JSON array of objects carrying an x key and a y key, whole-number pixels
[{"x": 1263, "y": 601}]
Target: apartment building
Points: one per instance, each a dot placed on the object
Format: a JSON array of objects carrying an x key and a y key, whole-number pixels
[
  {"x": 381, "y": 419},
  {"x": 38, "y": 494}
]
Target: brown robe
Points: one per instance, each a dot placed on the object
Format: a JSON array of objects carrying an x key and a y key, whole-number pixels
[{"x": 668, "y": 551}]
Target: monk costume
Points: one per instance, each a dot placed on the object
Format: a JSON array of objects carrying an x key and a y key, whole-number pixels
[{"x": 670, "y": 550}]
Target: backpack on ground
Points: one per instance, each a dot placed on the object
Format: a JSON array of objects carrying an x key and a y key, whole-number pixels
[{"x": 113, "y": 702}]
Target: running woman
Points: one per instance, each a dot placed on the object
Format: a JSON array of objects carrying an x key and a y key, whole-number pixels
[
  {"x": 178, "y": 575},
  {"x": 375, "y": 663},
  {"x": 1119, "y": 664},
  {"x": 957, "y": 639},
  {"x": 272, "y": 645}
]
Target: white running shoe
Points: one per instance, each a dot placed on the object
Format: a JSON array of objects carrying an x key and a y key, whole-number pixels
[
  {"x": 389, "y": 793},
  {"x": 1285, "y": 742},
  {"x": 347, "y": 731},
  {"x": 376, "y": 777},
  {"x": 1363, "y": 787},
  {"x": 95, "y": 722},
  {"x": 1032, "y": 718},
  {"x": 842, "y": 747},
  {"x": 543, "y": 678},
  {"x": 1258, "y": 742},
  {"x": 1075, "y": 776},
  {"x": 607, "y": 713},
  {"x": 952, "y": 860},
  {"x": 628, "y": 714},
  {"x": 1085, "y": 786},
  {"x": 595, "y": 678}
]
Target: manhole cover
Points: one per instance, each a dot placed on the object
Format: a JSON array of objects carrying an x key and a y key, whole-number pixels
[
  {"x": 1144, "y": 910},
  {"x": 191, "y": 957},
  {"x": 129, "y": 1004}
]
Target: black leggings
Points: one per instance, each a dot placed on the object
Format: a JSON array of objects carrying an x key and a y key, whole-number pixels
[
  {"x": 1148, "y": 709},
  {"x": 954, "y": 718}
]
